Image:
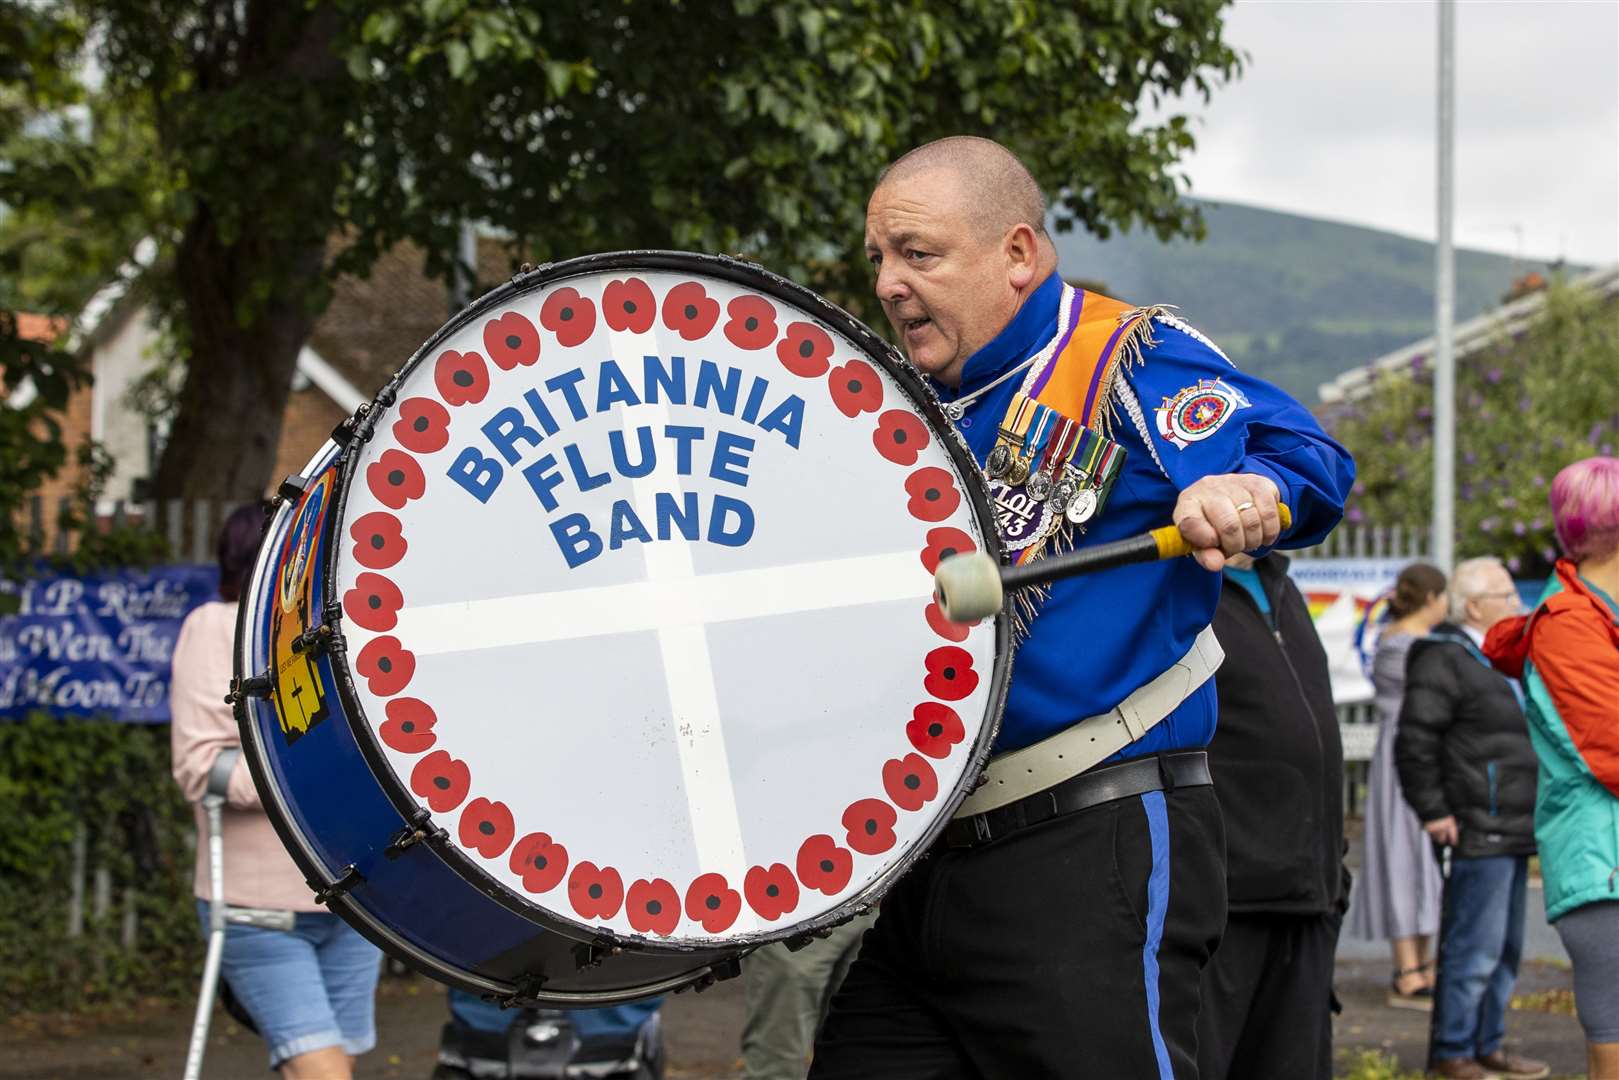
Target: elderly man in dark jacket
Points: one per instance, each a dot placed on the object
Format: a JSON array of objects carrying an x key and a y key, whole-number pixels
[
  {"x": 1468, "y": 770},
  {"x": 1278, "y": 772}
]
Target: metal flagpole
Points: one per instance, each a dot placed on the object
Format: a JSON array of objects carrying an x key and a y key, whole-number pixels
[{"x": 1444, "y": 383}]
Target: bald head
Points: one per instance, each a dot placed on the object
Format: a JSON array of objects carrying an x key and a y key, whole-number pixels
[
  {"x": 997, "y": 191},
  {"x": 956, "y": 233}
]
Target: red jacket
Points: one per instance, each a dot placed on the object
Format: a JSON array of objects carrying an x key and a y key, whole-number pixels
[{"x": 1573, "y": 641}]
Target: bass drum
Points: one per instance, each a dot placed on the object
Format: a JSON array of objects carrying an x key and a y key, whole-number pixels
[{"x": 599, "y": 649}]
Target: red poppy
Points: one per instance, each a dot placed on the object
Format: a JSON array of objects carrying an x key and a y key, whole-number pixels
[
  {"x": 712, "y": 902},
  {"x": 934, "y": 729},
  {"x": 870, "y": 825},
  {"x": 629, "y": 305},
  {"x": 395, "y": 479},
  {"x": 540, "y": 862},
  {"x": 373, "y": 603},
  {"x": 595, "y": 893},
  {"x": 752, "y": 324},
  {"x": 806, "y": 351},
  {"x": 823, "y": 865},
  {"x": 910, "y": 781},
  {"x": 461, "y": 377},
  {"x": 933, "y": 494},
  {"x": 486, "y": 827},
  {"x": 409, "y": 727},
  {"x": 442, "y": 780},
  {"x": 772, "y": 892},
  {"x": 950, "y": 673},
  {"x": 423, "y": 425},
  {"x": 856, "y": 388},
  {"x": 511, "y": 340},
  {"x": 378, "y": 541},
  {"x": 653, "y": 907},
  {"x": 950, "y": 631},
  {"x": 689, "y": 311},
  {"x": 387, "y": 665},
  {"x": 569, "y": 316},
  {"x": 900, "y": 436},
  {"x": 944, "y": 542}
]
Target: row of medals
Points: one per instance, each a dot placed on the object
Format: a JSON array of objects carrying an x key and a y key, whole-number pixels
[{"x": 1069, "y": 495}]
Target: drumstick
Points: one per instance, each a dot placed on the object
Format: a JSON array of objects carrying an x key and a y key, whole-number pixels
[{"x": 969, "y": 587}]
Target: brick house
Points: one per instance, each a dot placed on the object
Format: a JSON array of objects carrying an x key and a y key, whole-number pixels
[{"x": 370, "y": 328}]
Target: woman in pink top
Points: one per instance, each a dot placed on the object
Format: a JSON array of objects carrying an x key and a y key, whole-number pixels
[{"x": 306, "y": 977}]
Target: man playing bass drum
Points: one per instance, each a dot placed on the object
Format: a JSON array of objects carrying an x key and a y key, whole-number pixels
[{"x": 1060, "y": 926}]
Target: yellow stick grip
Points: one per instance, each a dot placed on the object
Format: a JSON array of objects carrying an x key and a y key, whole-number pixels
[{"x": 1172, "y": 545}]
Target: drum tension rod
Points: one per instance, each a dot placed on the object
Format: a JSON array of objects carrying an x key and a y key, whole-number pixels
[
  {"x": 350, "y": 877},
  {"x": 252, "y": 686},
  {"x": 525, "y": 990},
  {"x": 418, "y": 830},
  {"x": 592, "y": 953},
  {"x": 719, "y": 972},
  {"x": 353, "y": 427}
]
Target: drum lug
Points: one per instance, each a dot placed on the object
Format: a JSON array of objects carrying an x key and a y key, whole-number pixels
[
  {"x": 347, "y": 880},
  {"x": 413, "y": 834},
  {"x": 252, "y": 686},
  {"x": 292, "y": 489},
  {"x": 317, "y": 640}
]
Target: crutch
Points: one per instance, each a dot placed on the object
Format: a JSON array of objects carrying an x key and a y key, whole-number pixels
[
  {"x": 972, "y": 586},
  {"x": 213, "y": 805}
]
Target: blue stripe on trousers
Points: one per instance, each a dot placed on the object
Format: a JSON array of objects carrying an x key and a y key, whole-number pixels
[{"x": 1152, "y": 803}]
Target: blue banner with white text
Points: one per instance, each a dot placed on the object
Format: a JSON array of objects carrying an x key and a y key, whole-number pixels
[{"x": 96, "y": 644}]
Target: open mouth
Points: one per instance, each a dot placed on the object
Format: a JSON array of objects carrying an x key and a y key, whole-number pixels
[{"x": 913, "y": 326}]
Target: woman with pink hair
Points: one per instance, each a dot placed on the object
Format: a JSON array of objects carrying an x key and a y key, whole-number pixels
[{"x": 1567, "y": 652}]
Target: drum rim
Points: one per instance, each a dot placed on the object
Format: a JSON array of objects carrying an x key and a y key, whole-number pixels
[{"x": 874, "y": 348}]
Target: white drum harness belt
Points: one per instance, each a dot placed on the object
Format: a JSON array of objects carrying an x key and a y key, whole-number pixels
[{"x": 1019, "y": 773}]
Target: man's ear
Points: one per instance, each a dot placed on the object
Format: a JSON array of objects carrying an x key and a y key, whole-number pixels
[{"x": 1022, "y": 249}]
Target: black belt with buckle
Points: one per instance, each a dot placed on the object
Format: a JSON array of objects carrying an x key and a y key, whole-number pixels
[{"x": 1093, "y": 787}]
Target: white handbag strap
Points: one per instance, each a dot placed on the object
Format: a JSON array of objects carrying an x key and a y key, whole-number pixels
[{"x": 1011, "y": 776}]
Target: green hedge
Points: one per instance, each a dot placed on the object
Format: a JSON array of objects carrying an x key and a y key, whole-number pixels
[{"x": 114, "y": 780}]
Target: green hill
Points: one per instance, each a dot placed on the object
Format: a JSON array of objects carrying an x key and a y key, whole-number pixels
[{"x": 1296, "y": 300}]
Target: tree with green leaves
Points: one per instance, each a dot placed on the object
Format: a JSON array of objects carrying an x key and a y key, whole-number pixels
[
  {"x": 293, "y": 142},
  {"x": 1526, "y": 405}
]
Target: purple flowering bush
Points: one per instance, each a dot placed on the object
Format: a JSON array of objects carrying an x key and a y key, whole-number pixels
[{"x": 1526, "y": 406}]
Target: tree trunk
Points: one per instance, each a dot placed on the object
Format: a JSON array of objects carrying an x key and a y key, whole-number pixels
[
  {"x": 250, "y": 291},
  {"x": 227, "y": 428}
]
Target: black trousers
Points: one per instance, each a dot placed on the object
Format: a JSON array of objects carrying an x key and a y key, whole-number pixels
[
  {"x": 1267, "y": 999},
  {"x": 1069, "y": 949}
]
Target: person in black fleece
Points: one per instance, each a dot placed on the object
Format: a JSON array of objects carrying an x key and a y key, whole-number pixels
[
  {"x": 1467, "y": 768},
  {"x": 1278, "y": 773}
]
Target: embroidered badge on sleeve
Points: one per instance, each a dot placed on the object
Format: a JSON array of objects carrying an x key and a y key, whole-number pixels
[{"x": 1197, "y": 412}]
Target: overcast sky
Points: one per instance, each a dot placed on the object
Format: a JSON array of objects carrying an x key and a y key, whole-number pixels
[{"x": 1335, "y": 117}]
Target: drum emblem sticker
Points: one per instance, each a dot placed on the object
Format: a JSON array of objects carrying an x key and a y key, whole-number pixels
[
  {"x": 300, "y": 696},
  {"x": 1198, "y": 411}
]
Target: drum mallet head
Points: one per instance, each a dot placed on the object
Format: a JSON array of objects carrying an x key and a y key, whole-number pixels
[{"x": 968, "y": 587}]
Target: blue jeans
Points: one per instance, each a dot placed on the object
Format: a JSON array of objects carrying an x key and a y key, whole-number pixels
[
  {"x": 306, "y": 988},
  {"x": 481, "y": 1015},
  {"x": 1480, "y": 944}
]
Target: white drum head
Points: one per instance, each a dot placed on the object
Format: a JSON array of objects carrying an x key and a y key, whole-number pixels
[{"x": 636, "y": 574}]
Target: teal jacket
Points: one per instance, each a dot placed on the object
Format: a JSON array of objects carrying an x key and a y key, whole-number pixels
[{"x": 1567, "y": 650}]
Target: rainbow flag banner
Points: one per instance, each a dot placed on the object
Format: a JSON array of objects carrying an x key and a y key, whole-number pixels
[{"x": 1347, "y": 599}]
